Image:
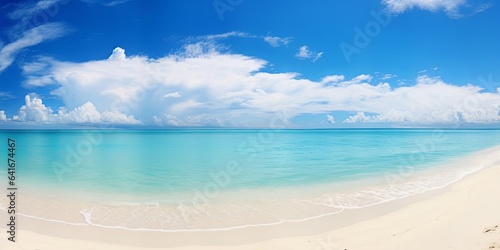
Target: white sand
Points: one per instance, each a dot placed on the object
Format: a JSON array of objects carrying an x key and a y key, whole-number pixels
[
  {"x": 457, "y": 217},
  {"x": 463, "y": 217}
]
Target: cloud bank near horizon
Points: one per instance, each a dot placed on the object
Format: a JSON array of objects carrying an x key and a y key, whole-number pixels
[{"x": 202, "y": 86}]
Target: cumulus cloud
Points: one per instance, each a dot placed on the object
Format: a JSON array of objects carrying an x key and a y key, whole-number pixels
[
  {"x": 83, "y": 114},
  {"x": 450, "y": 7},
  {"x": 34, "y": 111},
  {"x": 3, "y": 117},
  {"x": 433, "y": 101},
  {"x": 117, "y": 55},
  {"x": 277, "y": 41},
  {"x": 226, "y": 89},
  {"x": 305, "y": 53},
  {"x": 358, "y": 117}
]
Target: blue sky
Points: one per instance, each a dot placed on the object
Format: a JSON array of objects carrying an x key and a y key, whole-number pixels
[{"x": 239, "y": 63}]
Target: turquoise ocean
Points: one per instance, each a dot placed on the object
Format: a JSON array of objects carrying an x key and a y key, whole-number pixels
[{"x": 217, "y": 179}]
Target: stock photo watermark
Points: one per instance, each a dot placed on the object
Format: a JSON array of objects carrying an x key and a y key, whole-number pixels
[
  {"x": 75, "y": 155},
  {"x": 40, "y": 17},
  {"x": 11, "y": 190},
  {"x": 223, "y": 6},
  {"x": 364, "y": 35},
  {"x": 326, "y": 242},
  {"x": 488, "y": 83},
  {"x": 248, "y": 148},
  {"x": 44, "y": 16},
  {"x": 36, "y": 19}
]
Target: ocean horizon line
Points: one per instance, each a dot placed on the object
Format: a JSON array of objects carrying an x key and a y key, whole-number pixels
[{"x": 243, "y": 128}]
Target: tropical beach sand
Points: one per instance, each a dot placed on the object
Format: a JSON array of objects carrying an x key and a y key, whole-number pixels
[{"x": 464, "y": 215}]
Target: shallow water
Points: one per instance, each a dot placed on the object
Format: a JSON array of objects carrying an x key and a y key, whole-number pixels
[{"x": 219, "y": 179}]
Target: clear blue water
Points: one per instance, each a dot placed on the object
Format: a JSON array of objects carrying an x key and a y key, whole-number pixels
[
  {"x": 159, "y": 161},
  {"x": 183, "y": 173}
]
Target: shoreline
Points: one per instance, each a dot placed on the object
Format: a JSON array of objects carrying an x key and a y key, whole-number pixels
[
  {"x": 39, "y": 234},
  {"x": 97, "y": 237},
  {"x": 253, "y": 208},
  {"x": 431, "y": 217}
]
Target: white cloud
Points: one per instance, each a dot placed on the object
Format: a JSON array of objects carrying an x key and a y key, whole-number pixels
[
  {"x": 433, "y": 101},
  {"x": 29, "y": 38},
  {"x": 83, "y": 114},
  {"x": 318, "y": 56},
  {"x": 3, "y": 117},
  {"x": 34, "y": 111},
  {"x": 34, "y": 67},
  {"x": 388, "y": 76},
  {"x": 399, "y": 6},
  {"x": 6, "y": 96},
  {"x": 31, "y": 27},
  {"x": 332, "y": 79},
  {"x": 117, "y": 118},
  {"x": 222, "y": 36},
  {"x": 235, "y": 90},
  {"x": 28, "y": 9},
  {"x": 277, "y": 41},
  {"x": 200, "y": 48},
  {"x": 481, "y": 8},
  {"x": 191, "y": 120},
  {"x": 330, "y": 118},
  {"x": 427, "y": 70},
  {"x": 173, "y": 94},
  {"x": 117, "y": 55},
  {"x": 305, "y": 53},
  {"x": 362, "y": 78},
  {"x": 358, "y": 117},
  {"x": 450, "y": 7},
  {"x": 168, "y": 119},
  {"x": 338, "y": 80}
]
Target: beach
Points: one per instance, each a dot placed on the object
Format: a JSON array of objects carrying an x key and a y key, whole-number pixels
[
  {"x": 231, "y": 124},
  {"x": 463, "y": 215}
]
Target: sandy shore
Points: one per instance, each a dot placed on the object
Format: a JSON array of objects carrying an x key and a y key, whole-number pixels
[{"x": 464, "y": 215}]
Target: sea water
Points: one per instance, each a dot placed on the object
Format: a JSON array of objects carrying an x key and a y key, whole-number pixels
[{"x": 211, "y": 179}]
